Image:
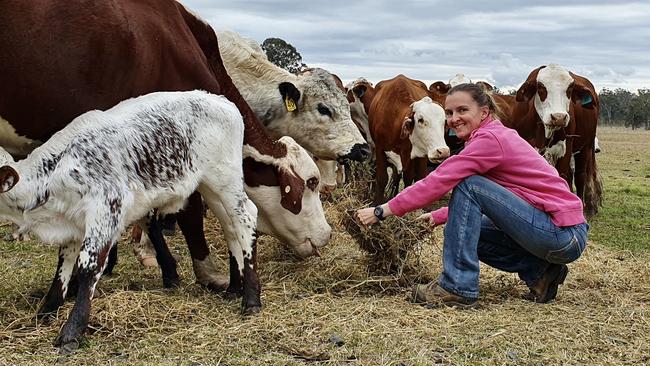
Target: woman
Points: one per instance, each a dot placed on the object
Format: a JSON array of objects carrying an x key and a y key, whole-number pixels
[{"x": 509, "y": 208}]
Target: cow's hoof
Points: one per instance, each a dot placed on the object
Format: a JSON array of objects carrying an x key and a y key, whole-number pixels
[
  {"x": 251, "y": 310},
  {"x": 67, "y": 346},
  {"x": 216, "y": 283},
  {"x": 232, "y": 295},
  {"x": 149, "y": 261},
  {"x": 171, "y": 282}
]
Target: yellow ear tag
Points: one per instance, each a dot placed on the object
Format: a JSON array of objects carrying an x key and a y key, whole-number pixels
[{"x": 291, "y": 105}]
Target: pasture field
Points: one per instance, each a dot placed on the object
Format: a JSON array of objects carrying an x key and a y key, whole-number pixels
[{"x": 334, "y": 310}]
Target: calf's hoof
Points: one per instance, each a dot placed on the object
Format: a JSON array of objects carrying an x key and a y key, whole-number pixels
[
  {"x": 215, "y": 283},
  {"x": 251, "y": 309}
]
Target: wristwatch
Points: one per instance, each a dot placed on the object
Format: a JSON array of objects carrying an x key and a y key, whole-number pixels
[{"x": 379, "y": 213}]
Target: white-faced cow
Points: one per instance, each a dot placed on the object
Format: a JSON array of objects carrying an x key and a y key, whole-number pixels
[
  {"x": 309, "y": 106},
  {"x": 45, "y": 84},
  {"x": 405, "y": 120},
  {"x": 79, "y": 192},
  {"x": 559, "y": 111}
]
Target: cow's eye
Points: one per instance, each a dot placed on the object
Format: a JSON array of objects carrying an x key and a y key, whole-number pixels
[
  {"x": 420, "y": 120},
  {"x": 322, "y": 109},
  {"x": 312, "y": 183}
]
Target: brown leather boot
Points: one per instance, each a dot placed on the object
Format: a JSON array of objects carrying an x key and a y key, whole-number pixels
[
  {"x": 545, "y": 289},
  {"x": 432, "y": 295}
]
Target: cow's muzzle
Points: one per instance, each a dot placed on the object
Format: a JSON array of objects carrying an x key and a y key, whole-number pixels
[
  {"x": 359, "y": 152},
  {"x": 438, "y": 155}
]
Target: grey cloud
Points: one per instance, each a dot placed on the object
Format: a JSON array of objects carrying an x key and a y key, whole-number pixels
[{"x": 500, "y": 42}]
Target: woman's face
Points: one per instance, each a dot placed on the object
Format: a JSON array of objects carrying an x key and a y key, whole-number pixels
[{"x": 463, "y": 113}]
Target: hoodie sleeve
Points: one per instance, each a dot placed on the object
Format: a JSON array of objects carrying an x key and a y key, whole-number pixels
[{"x": 481, "y": 153}]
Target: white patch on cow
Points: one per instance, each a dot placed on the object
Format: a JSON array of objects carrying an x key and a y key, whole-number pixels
[
  {"x": 358, "y": 111},
  {"x": 554, "y": 110},
  {"x": 428, "y": 136},
  {"x": 14, "y": 144},
  {"x": 307, "y": 229},
  {"x": 395, "y": 160},
  {"x": 321, "y": 122},
  {"x": 553, "y": 153},
  {"x": 459, "y": 79}
]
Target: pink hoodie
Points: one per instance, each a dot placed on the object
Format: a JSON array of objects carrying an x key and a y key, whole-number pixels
[{"x": 499, "y": 154}]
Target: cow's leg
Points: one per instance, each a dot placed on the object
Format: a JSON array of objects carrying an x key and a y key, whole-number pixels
[
  {"x": 56, "y": 295},
  {"x": 101, "y": 234},
  {"x": 190, "y": 220},
  {"x": 112, "y": 261},
  {"x": 153, "y": 227},
  {"x": 238, "y": 218},
  {"x": 588, "y": 185},
  {"x": 381, "y": 176}
]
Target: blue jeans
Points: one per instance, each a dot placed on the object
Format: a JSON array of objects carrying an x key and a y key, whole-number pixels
[{"x": 489, "y": 223}]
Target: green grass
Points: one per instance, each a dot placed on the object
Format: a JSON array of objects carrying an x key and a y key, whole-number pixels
[{"x": 624, "y": 221}]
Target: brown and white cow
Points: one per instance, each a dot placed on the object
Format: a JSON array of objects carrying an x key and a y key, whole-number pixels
[
  {"x": 45, "y": 84},
  {"x": 360, "y": 93},
  {"x": 559, "y": 111},
  {"x": 309, "y": 107},
  {"x": 405, "y": 120}
]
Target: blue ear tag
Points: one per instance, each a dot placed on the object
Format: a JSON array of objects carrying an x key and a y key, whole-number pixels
[
  {"x": 587, "y": 99},
  {"x": 451, "y": 132}
]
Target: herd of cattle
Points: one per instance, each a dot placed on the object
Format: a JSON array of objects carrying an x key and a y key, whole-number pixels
[{"x": 97, "y": 101}]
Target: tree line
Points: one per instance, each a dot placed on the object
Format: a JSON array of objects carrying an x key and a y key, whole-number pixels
[{"x": 619, "y": 107}]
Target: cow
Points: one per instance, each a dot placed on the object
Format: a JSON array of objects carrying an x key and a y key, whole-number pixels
[
  {"x": 405, "y": 120},
  {"x": 309, "y": 106},
  {"x": 78, "y": 192},
  {"x": 50, "y": 75},
  {"x": 360, "y": 94},
  {"x": 559, "y": 111}
]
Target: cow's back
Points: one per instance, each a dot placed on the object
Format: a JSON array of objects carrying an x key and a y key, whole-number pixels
[{"x": 62, "y": 58}]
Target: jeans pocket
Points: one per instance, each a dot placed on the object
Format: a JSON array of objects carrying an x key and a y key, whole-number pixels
[{"x": 566, "y": 254}]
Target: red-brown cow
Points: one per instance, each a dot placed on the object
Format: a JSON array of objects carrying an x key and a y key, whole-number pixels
[
  {"x": 76, "y": 56},
  {"x": 405, "y": 120},
  {"x": 559, "y": 111}
]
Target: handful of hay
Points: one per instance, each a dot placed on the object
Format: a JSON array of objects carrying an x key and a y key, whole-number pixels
[{"x": 389, "y": 243}]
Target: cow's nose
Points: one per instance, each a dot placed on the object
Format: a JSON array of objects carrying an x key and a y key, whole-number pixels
[
  {"x": 559, "y": 119},
  {"x": 359, "y": 152},
  {"x": 439, "y": 154}
]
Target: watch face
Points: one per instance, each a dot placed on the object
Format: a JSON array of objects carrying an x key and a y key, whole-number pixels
[{"x": 379, "y": 212}]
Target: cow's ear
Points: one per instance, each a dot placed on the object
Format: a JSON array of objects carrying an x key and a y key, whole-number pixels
[
  {"x": 582, "y": 93},
  {"x": 529, "y": 87},
  {"x": 8, "y": 178},
  {"x": 485, "y": 86},
  {"x": 407, "y": 127},
  {"x": 291, "y": 190},
  {"x": 359, "y": 90},
  {"x": 290, "y": 95},
  {"x": 526, "y": 91},
  {"x": 439, "y": 87}
]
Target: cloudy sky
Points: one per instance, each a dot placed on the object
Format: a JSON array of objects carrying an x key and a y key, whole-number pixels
[{"x": 496, "y": 41}]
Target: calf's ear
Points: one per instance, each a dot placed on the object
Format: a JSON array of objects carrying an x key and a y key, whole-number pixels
[
  {"x": 290, "y": 95},
  {"x": 8, "y": 178}
]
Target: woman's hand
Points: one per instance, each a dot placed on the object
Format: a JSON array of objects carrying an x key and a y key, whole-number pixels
[
  {"x": 367, "y": 216},
  {"x": 426, "y": 219}
]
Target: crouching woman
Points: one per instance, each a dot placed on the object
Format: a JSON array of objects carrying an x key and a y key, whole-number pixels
[{"x": 509, "y": 208}]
